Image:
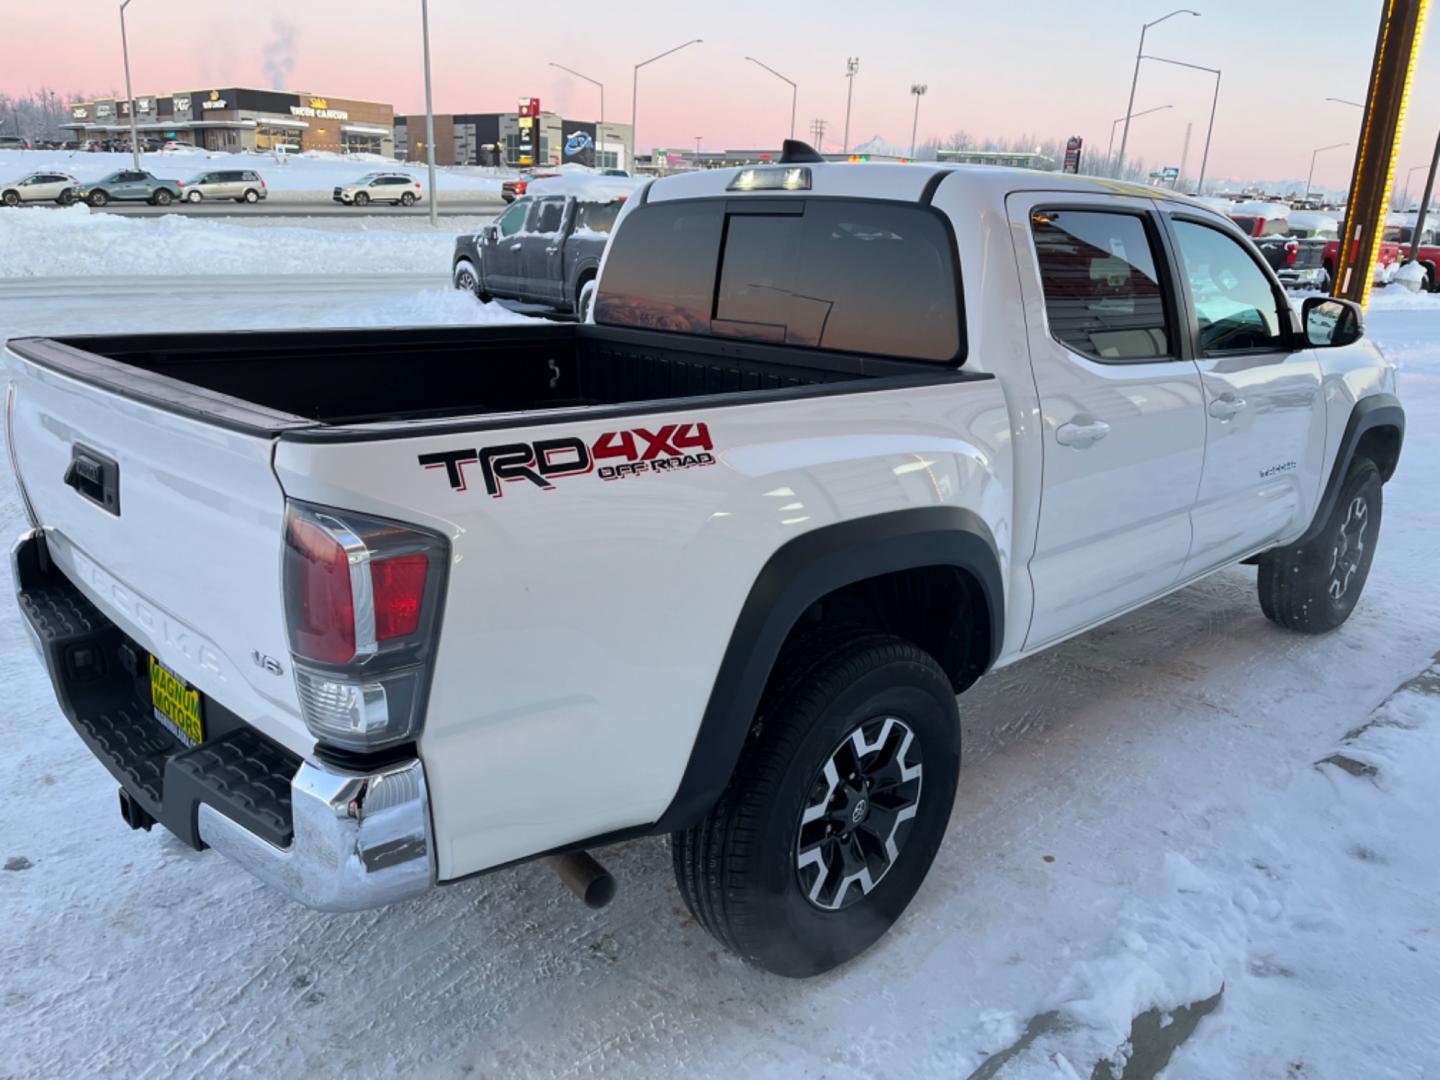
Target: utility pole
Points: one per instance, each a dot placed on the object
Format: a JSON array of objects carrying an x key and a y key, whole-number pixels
[
  {"x": 918, "y": 89},
  {"x": 817, "y": 133},
  {"x": 429, "y": 117},
  {"x": 852, "y": 68},
  {"x": 129, "y": 94},
  {"x": 1396, "y": 45}
]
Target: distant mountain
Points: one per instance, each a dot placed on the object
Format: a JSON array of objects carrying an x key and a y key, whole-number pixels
[{"x": 875, "y": 145}]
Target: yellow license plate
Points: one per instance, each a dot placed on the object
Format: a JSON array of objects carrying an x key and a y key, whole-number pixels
[{"x": 177, "y": 706}]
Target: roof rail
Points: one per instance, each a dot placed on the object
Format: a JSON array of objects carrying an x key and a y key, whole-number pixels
[{"x": 793, "y": 151}]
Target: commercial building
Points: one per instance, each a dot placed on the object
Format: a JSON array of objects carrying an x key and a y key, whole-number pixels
[
  {"x": 1013, "y": 159},
  {"x": 495, "y": 139},
  {"x": 239, "y": 118}
]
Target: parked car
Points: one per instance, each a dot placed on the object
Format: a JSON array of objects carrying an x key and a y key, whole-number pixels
[
  {"x": 546, "y": 248},
  {"x": 398, "y": 189},
  {"x": 44, "y": 186},
  {"x": 1428, "y": 253},
  {"x": 714, "y": 566},
  {"x": 13, "y": 142},
  {"x": 241, "y": 185},
  {"x": 131, "y": 185},
  {"x": 510, "y": 190}
]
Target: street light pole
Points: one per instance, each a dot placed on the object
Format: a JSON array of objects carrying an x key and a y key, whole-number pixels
[
  {"x": 599, "y": 131},
  {"x": 129, "y": 93},
  {"x": 1110, "y": 147},
  {"x": 1210, "y": 130},
  {"x": 1343, "y": 101},
  {"x": 429, "y": 116},
  {"x": 1135, "y": 79},
  {"x": 852, "y": 68},
  {"x": 1318, "y": 151},
  {"x": 635, "y": 88},
  {"x": 794, "y": 90},
  {"x": 918, "y": 89}
]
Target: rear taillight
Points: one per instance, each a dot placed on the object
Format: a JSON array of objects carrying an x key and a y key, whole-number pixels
[
  {"x": 1292, "y": 250},
  {"x": 362, "y": 605}
]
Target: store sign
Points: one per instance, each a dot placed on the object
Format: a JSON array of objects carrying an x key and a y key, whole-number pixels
[
  {"x": 529, "y": 106},
  {"x": 79, "y": 114},
  {"x": 215, "y": 101},
  {"x": 145, "y": 104},
  {"x": 103, "y": 111},
  {"x": 1073, "y": 149},
  {"x": 182, "y": 104},
  {"x": 321, "y": 108}
]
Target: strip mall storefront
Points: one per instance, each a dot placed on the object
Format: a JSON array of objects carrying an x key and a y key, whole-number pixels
[{"x": 236, "y": 118}]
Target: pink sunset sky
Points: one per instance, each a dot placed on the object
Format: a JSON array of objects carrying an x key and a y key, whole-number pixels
[{"x": 1041, "y": 67}]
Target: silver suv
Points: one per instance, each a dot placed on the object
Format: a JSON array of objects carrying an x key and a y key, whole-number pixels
[
  {"x": 398, "y": 189},
  {"x": 40, "y": 187},
  {"x": 242, "y": 185}
]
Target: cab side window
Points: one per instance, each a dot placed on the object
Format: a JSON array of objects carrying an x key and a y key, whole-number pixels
[
  {"x": 1234, "y": 303},
  {"x": 1103, "y": 294},
  {"x": 547, "y": 216},
  {"x": 511, "y": 221}
]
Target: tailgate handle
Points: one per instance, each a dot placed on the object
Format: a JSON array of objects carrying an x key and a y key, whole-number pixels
[{"x": 94, "y": 477}]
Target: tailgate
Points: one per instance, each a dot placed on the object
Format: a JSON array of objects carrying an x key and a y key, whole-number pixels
[{"x": 172, "y": 525}]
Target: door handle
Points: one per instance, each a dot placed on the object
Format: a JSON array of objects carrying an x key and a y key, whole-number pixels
[
  {"x": 552, "y": 250},
  {"x": 516, "y": 247},
  {"x": 1225, "y": 406},
  {"x": 1082, "y": 432}
]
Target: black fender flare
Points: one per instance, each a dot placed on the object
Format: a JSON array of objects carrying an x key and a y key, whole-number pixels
[
  {"x": 799, "y": 573},
  {"x": 1374, "y": 411},
  {"x": 583, "y": 268}
]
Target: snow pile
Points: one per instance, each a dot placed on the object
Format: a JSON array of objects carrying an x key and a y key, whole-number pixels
[
  {"x": 586, "y": 185},
  {"x": 75, "y": 242},
  {"x": 311, "y": 171}
]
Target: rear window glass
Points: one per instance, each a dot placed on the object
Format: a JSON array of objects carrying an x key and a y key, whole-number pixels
[
  {"x": 1102, "y": 292},
  {"x": 597, "y": 217},
  {"x": 874, "y": 278}
]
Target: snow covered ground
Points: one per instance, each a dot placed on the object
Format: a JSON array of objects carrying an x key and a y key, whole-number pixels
[
  {"x": 1187, "y": 826},
  {"x": 78, "y": 242},
  {"x": 315, "y": 171}
]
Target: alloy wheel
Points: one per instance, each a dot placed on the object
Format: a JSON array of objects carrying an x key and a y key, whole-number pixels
[
  {"x": 1349, "y": 547},
  {"x": 854, "y": 824}
]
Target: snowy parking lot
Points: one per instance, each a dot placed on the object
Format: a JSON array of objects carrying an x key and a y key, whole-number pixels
[{"x": 1186, "y": 832}]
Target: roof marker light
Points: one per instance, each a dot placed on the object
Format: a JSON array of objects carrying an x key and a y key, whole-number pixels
[{"x": 782, "y": 179}]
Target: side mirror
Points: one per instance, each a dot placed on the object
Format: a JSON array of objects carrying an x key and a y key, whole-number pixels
[{"x": 1330, "y": 322}]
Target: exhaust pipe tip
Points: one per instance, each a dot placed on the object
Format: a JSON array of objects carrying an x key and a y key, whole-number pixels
[{"x": 585, "y": 877}]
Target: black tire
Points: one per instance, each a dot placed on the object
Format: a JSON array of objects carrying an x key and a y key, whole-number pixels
[
  {"x": 66, "y": 197},
  {"x": 98, "y": 198},
  {"x": 1313, "y": 587},
  {"x": 407, "y": 199},
  {"x": 251, "y": 196},
  {"x": 162, "y": 198},
  {"x": 585, "y": 299},
  {"x": 361, "y": 199},
  {"x": 10, "y": 198},
  {"x": 464, "y": 278},
  {"x": 742, "y": 870}
]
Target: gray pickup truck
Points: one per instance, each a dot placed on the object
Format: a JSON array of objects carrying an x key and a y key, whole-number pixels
[{"x": 545, "y": 249}]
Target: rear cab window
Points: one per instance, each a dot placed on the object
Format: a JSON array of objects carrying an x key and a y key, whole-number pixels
[{"x": 848, "y": 275}]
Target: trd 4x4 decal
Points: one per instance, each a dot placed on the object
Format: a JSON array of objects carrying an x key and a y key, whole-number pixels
[{"x": 639, "y": 450}]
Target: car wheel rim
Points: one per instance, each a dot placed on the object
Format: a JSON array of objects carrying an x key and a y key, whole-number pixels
[
  {"x": 855, "y": 821},
  {"x": 466, "y": 281},
  {"x": 1349, "y": 547}
]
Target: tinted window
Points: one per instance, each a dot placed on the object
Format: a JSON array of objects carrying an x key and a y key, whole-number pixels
[
  {"x": 1247, "y": 224},
  {"x": 509, "y": 223},
  {"x": 877, "y": 278},
  {"x": 660, "y": 272},
  {"x": 863, "y": 277},
  {"x": 597, "y": 217},
  {"x": 1234, "y": 303},
  {"x": 758, "y": 276},
  {"x": 1102, "y": 293},
  {"x": 547, "y": 216}
]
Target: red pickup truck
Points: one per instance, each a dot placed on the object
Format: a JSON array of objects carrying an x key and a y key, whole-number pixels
[{"x": 1427, "y": 254}]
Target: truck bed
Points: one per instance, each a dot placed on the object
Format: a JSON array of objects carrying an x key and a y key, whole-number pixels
[{"x": 334, "y": 381}]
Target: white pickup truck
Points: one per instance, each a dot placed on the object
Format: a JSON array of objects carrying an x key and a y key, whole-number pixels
[{"x": 371, "y": 611}]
